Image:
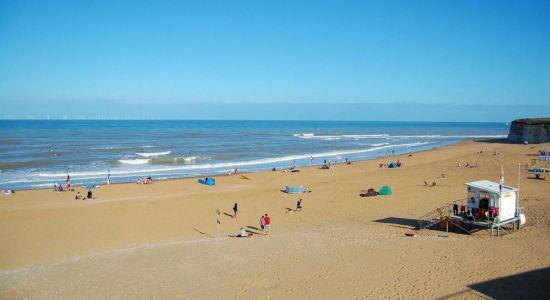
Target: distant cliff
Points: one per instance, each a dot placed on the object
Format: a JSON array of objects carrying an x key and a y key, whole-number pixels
[{"x": 532, "y": 131}]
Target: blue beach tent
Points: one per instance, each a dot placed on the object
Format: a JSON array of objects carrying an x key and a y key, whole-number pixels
[
  {"x": 207, "y": 181},
  {"x": 295, "y": 189}
]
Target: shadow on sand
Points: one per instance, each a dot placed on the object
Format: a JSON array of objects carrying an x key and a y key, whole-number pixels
[
  {"x": 494, "y": 141},
  {"x": 203, "y": 233},
  {"x": 528, "y": 285},
  {"x": 400, "y": 221},
  {"x": 414, "y": 224}
]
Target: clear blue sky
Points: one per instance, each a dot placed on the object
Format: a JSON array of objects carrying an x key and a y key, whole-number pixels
[{"x": 96, "y": 58}]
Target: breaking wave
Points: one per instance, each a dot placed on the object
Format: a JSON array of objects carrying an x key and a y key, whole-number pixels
[{"x": 152, "y": 154}]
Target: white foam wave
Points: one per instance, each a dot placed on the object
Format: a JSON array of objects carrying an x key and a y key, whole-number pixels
[
  {"x": 151, "y": 154},
  {"x": 263, "y": 161},
  {"x": 139, "y": 161},
  {"x": 437, "y": 136},
  {"x": 341, "y": 136},
  {"x": 387, "y": 136}
]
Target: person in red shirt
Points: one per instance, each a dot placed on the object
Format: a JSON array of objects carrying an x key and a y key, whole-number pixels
[{"x": 267, "y": 221}]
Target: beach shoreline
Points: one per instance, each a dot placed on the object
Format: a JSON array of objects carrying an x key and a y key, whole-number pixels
[
  {"x": 338, "y": 237},
  {"x": 221, "y": 175}
]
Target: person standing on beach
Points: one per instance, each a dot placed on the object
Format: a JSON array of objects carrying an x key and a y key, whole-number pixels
[
  {"x": 262, "y": 223},
  {"x": 108, "y": 177},
  {"x": 267, "y": 225},
  {"x": 235, "y": 210},
  {"x": 299, "y": 205}
]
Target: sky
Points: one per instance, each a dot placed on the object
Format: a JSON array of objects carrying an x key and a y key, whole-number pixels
[{"x": 337, "y": 60}]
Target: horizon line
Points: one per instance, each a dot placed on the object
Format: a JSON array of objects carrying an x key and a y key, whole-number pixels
[{"x": 239, "y": 120}]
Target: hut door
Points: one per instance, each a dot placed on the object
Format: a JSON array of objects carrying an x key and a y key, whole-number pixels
[{"x": 493, "y": 200}]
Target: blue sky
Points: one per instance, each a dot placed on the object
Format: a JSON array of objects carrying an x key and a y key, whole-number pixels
[{"x": 243, "y": 59}]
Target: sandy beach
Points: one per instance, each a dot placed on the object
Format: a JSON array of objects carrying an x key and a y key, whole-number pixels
[{"x": 160, "y": 241}]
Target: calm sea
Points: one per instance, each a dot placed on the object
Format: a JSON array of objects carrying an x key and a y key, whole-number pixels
[{"x": 34, "y": 154}]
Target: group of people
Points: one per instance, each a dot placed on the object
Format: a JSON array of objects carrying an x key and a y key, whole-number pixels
[
  {"x": 57, "y": 187},
  {"x": 7, "y": 192},
  {"x": 146, "y": 180},
  {"x": 397, "y": 164},
  {"x": 388, "y": 153},
  {"x": 467, "y": 165},
  {"x": 476, "y": 214},
  {"x": 265, "y": 225},
  {"x": 265, "y": 221},
  {"x": 89, "y": 196}
]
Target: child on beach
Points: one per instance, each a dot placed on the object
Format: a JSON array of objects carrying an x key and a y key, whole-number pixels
[{"x": 78, "y": 196}]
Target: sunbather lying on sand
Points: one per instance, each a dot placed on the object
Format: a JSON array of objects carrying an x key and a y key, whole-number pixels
[{"x": 243, "y": 233}]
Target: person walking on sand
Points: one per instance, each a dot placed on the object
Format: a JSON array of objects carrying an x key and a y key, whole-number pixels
[
  {"x": 235, "y": 210},
  {"x": 267, "y": 225},
  {"x": 299, "y": 205}
]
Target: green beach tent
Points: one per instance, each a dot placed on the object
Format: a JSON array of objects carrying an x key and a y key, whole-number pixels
[{"x": 385, "y": 190}]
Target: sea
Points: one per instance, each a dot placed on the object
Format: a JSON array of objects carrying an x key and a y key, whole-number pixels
[{"x": 36, "y": 153}]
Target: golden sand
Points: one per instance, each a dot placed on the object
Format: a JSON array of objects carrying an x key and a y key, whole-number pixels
[{"x": 160, "y": 241}]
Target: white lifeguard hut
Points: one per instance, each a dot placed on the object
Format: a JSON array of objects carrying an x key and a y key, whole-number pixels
[
  {"x": 489, "y": 196},
  {"x": 491, "y": 205},
  {"x": 488, "y": 205}
]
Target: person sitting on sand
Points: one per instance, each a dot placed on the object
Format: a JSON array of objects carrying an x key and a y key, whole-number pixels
[
  {"x": 90, "y": 196},
  {"x": 78, "y": 196}
]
